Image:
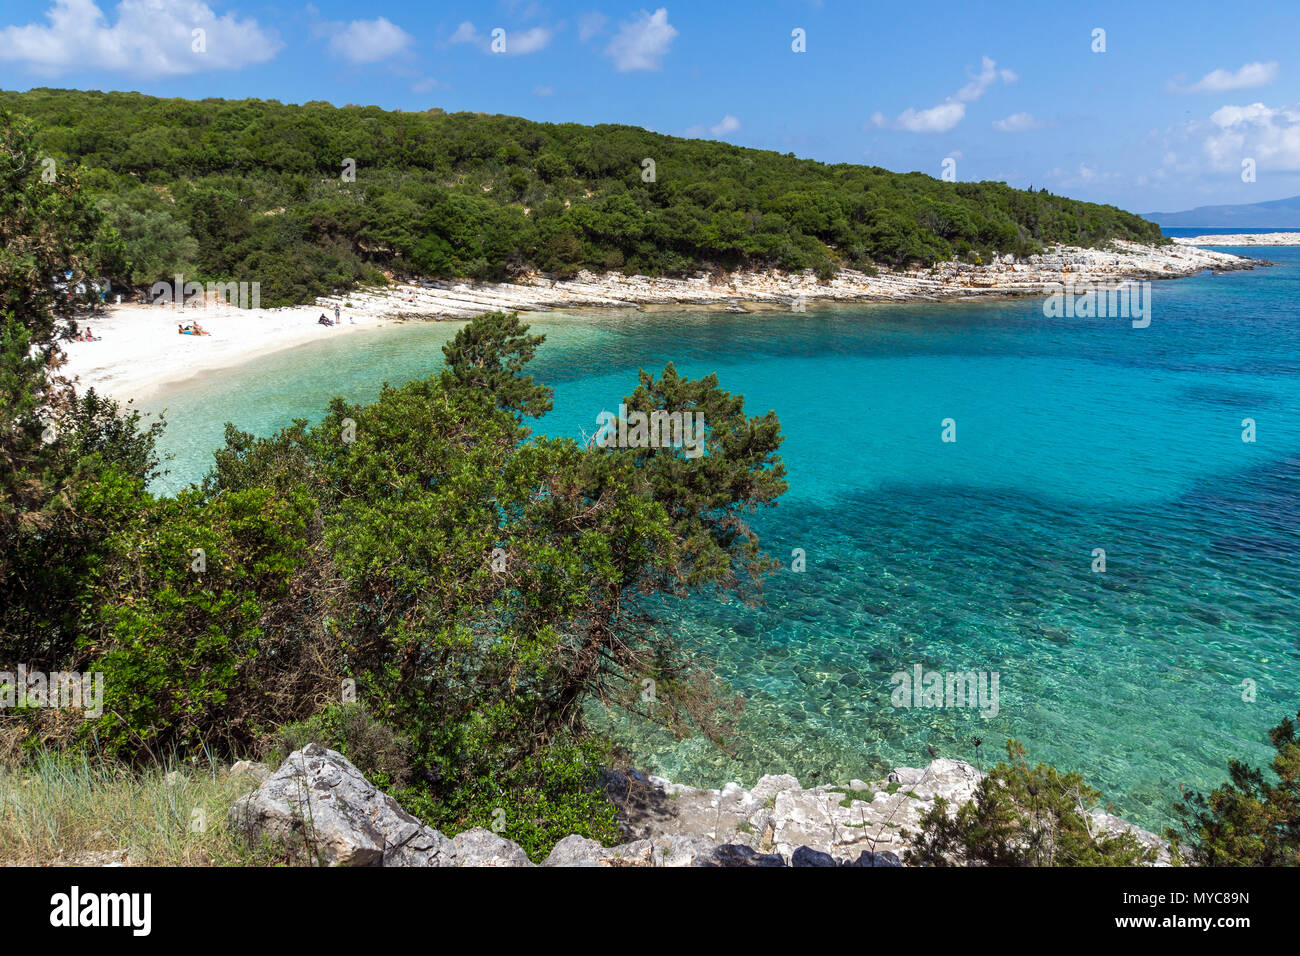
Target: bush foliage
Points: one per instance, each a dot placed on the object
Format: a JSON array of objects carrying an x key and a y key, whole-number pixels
[
  {"x": 1254, "y": 818},
  {"x": 253, "y": 190},
  {"x": 1023, "y": 816}
]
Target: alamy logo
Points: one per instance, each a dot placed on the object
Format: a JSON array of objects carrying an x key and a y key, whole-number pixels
[
  {"x": 659, "y": 429},
  {"x": 60, "y": 689},
  {"x": 922, "y": 688},
  {"x": 243, "y": 295},
  {"x": 103, "y": 909},
  {"x": 1124, "y": 300}
]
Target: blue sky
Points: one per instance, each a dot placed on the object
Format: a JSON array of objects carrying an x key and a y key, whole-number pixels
[{"x": 1162, "y": 120}]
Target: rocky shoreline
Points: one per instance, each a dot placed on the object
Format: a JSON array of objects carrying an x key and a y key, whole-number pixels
[
  {"x": 136, "y": 351},
  {"x": 1003, "y": 277},
  {"x": 323, "y": 811},
  {"x": 1242, "y": 239}
]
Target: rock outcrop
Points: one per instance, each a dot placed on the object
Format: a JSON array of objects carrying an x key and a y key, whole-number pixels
[
  {"x": 859, "y": 824},
  {"x": 321, "y": 810},
  {"x": 1037, "y": 275}
]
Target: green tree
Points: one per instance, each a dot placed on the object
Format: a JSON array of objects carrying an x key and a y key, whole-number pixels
[
  {"x": 481, "y": 585},
  {"x": 155, "y": 245},
  {"x": 1022, "y": 816},
  {"x": 1251, "y": 820},
  {"x": 489, "y": 355},
  {"x": 69, "y": 465}
]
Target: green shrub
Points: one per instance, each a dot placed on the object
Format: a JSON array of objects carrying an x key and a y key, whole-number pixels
[
  {"x": 551, "y": 794},
  {"x": 1250, "y": 820},
  {"x": 210, "y": 648},
  {"x": 381, "y": 753},
  {"x": 1022, "y": 816}
]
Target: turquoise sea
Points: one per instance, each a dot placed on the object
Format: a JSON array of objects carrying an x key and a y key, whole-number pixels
[{"x": 1072, "y": 435}]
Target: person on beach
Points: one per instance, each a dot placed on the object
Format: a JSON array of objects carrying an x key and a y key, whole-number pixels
[{"x": 336, "y": 314}]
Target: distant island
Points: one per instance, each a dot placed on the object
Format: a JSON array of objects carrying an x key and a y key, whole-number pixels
[
  {"x": 1275, "y": 214},
  {"x": 311, "y": 200}
]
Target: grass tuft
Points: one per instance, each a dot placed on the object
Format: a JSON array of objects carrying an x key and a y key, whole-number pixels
[{"x": 60, "y": 809}]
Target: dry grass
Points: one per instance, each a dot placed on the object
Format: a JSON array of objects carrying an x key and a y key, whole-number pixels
[{"x": 74, "y": 810}]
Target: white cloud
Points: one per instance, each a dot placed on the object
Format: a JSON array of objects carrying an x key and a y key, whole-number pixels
[
  {"x": 1017, "y": 123},
  {"x": 1269, "y": 136},
  {"x": 642, "y": 43},
  {"x": 426, "y": 85},
  {"x": 368, "y": 41},
  {"x": 987, "y": 76},
  {"x": 937, "y": 119},
  {"x": 543, "y": 91},
  {"x": 941, "y": 118},
  {"x": 1222, "y": 81},
  {"x": 728, "y": 124},
  {"x": 590, "y": 25},
  {"x": 528, "y": 41},
  {"x": 150, "y": 38},
  {"x": 465, "y": 33},
  {"x": 517, "y": 42}
]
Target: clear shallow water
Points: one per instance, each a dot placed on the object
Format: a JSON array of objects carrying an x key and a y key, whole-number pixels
[{"x": 1072, "y": 434}]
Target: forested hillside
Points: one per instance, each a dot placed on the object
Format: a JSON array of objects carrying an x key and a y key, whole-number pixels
[{"x": 255, "y": 190}]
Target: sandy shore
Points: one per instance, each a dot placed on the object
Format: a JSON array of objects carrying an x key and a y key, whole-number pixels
[
  {"x": 1242, "y": 239},
  {"x": 140, "y": 350}
]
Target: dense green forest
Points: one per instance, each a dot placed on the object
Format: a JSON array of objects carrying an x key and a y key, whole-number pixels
[{"x": 256, "y": 190}]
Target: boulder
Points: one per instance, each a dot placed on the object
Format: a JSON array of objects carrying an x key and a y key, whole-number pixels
[
  {"x": 480, "y": 847},
  {"x": 321, "y": 809},
  {"x": 576, "y": 850},
  {"x": 735, "y": 855},
  {"x": 807, "y": 856}
]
